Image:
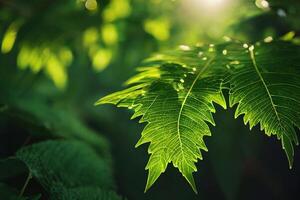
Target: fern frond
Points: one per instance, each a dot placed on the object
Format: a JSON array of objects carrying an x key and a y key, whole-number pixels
[
  {"x": 176, "y": 99},
  {"x": 266, "y": 87},
  {"x": 174, "y": 94}
]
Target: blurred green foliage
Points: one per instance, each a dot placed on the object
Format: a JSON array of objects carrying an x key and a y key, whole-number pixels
[{"x": 58, "y": 57}]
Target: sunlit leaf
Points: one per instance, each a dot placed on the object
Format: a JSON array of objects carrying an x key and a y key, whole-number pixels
[
  {"x": 101, "y": 59},
  {"x": 117, "y": 9},
  {"x": 174, "y": 95},
  {"x": 109, "y": 34},
  {"x": 266, "y": 87},
  {"x": 10, "y": 35},
  {"x": 159, "y": 28},
  {"x": 177, "y": 106}
]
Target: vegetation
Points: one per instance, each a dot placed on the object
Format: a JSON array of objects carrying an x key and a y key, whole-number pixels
[
  {"x": 217, "y": 57},
  {"x": 176, "y": 98}
]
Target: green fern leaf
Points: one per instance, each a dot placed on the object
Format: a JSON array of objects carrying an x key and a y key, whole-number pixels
[
  {"x": 174, "y": 94},
  {"x": 176, "y": 100},
  {"x": 266, "y": 87}
]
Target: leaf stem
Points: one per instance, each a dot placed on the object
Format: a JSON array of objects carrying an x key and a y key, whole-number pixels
[{"x": 29, "y": 177}]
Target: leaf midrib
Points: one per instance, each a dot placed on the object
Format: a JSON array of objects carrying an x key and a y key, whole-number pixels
[
  {"x": 252, "y": 55},
  {"x": 185, "y": 99}
]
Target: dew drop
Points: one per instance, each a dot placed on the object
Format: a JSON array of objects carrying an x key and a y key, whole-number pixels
[
  {"x": 224, "y": 52},
  {"x": 181, "y": 80},
  {"x": 281, "y": 13},
  {"x": 235, "y": 62},
  {"x": 268, "y": 39},
  {"x": 204, "y": 58},
  {"x": 91, "y": 5},
  {"x": 226, "y": 38},
  {"x": 194, "y": 69},
  {"x": 262, "y": 4},
  {"x": 251, "y": 48},
  {"x": 184, "y": 48},
  {"x": 200, "y": 53},
  {"x": 245, "y": 46},
  {"x": 265, "y": 4}
]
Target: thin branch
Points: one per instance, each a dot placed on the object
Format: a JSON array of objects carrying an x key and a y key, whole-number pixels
[{"x": 29, "y": 177}]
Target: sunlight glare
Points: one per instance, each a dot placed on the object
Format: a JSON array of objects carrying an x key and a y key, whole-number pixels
[
  {"x": 212, "y": 3},
  {"x": 209, "y": 4}
]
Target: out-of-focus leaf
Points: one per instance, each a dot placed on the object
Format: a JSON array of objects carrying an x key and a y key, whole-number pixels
[
  {"x": 66, "y": 164},
  {"x": 47, "y": 120},
  {"x": 84, "y": 193}
]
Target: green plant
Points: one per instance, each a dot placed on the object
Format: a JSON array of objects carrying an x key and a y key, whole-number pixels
[
  {"x": 174, "y": 94},
  {"x": 55, "y": 144}
]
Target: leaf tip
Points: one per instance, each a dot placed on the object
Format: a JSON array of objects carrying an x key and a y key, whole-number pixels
[
  {"x": 99, "y": 102},
  {"x": 153, "y": 175},
  {"x": 190, "y": 179},
  {"x": 288, "y": 148},
  {"x": 140, "y": 142}
]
